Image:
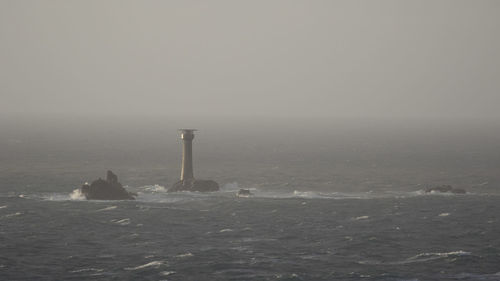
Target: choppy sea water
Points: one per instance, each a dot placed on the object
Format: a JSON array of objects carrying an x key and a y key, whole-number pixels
[
  {"x": 332, "y": 201},
  {"x": 270, "y": 236}
]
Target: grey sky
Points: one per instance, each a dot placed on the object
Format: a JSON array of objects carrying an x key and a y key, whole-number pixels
[{"x": 242, "y": 58}]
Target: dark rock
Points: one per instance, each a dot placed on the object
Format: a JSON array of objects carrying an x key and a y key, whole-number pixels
[
  {"x": 109, "y": 189},
  {"x": 194, "y": 185},
  {"x": 244, "y": 193},
  {"x": 111, "y": 177},
  {"x": 445, "y": 189}
]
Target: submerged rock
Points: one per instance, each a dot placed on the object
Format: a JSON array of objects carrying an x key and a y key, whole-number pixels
[
  {"x": 445, "y": 189},
  {"x": 244, "y": 193},
  {"x": 109, "y": 189},
  {"x": 195, "y": 185}
]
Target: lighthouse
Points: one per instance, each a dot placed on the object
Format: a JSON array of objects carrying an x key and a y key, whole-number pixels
[
  {"x": 187, "y": 136},
  {"x": 187, "y": 181}
]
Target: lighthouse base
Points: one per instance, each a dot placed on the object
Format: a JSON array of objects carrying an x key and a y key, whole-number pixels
[{"x": 194, "y": 185}]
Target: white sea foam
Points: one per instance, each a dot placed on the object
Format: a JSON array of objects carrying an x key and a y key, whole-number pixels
[
  {"x": 3, "y": 207},
  {"x": 225, "y": 230},
  {"x": 167, "y": 273},
  {"x": 12, "y": 215},
  {"x": 345, "y": 195},
  {"x": 154, "y": 188},
  {"x": 312, "y": 194},
  {"x": 444, "y": 214},
  {"x": 90, "y": 269},
  {"x": 159, "y": 194},
  {"x": 154, "y": 264},
  {"x": 332, "y": 195},
  {"x": 432, "y": 256},
  {"x": 362, "y": 218},
  {"x": 423, "y": 257},
  {"x": 107, "y": 208},
  {"x": 439, "y": 193},
  {"x": 77, "y": 195},
  {"x": 122, "y": 221},
  {"x": 185, "y": 255}
]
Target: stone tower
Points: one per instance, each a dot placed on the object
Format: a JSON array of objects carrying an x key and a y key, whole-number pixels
[
  {"x": 187, "y": 181},
  {"x": 187, "y": 136}
]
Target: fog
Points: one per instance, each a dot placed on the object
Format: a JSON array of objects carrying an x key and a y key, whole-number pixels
[
  {"x": 285, "y": 59},
  {"x": 304, "y": 94},
  {"x": 266, "y": 153}
]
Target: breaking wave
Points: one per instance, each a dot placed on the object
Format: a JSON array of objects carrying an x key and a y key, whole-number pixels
[
  {"x": 158, "y": 194},
  {"x": 90, "y": 269},
  {"x": 121, "y": 221},
  {"x": 186, "y": 255},
  {"x": 423, "y": 257},
  {"x": 433, "y": 256},
  {"x": 154, "y": 264},
  {"x": 12, "y": 215},
  {"x": 77, "y": 195}
]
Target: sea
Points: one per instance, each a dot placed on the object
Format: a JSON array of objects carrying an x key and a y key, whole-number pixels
[{"x": 331, "y": 199}]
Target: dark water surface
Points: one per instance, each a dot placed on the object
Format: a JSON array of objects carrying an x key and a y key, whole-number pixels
[{"x": 221, "y": 237}]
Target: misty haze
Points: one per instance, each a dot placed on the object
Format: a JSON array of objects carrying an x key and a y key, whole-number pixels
[{"x": 335, "y": 140}]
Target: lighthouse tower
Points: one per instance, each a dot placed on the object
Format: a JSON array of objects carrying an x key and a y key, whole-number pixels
[
  {"x": 187, "y": 136},
  {"x": 187, "y": 181}
]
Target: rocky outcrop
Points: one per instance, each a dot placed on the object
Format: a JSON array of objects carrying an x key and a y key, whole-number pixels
[
  {"x": 445, "y": 189},
  {"x": 244, "y": 193},
  {"x": 109, "y": 189},
  {"x": 195, "y": 185}
]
